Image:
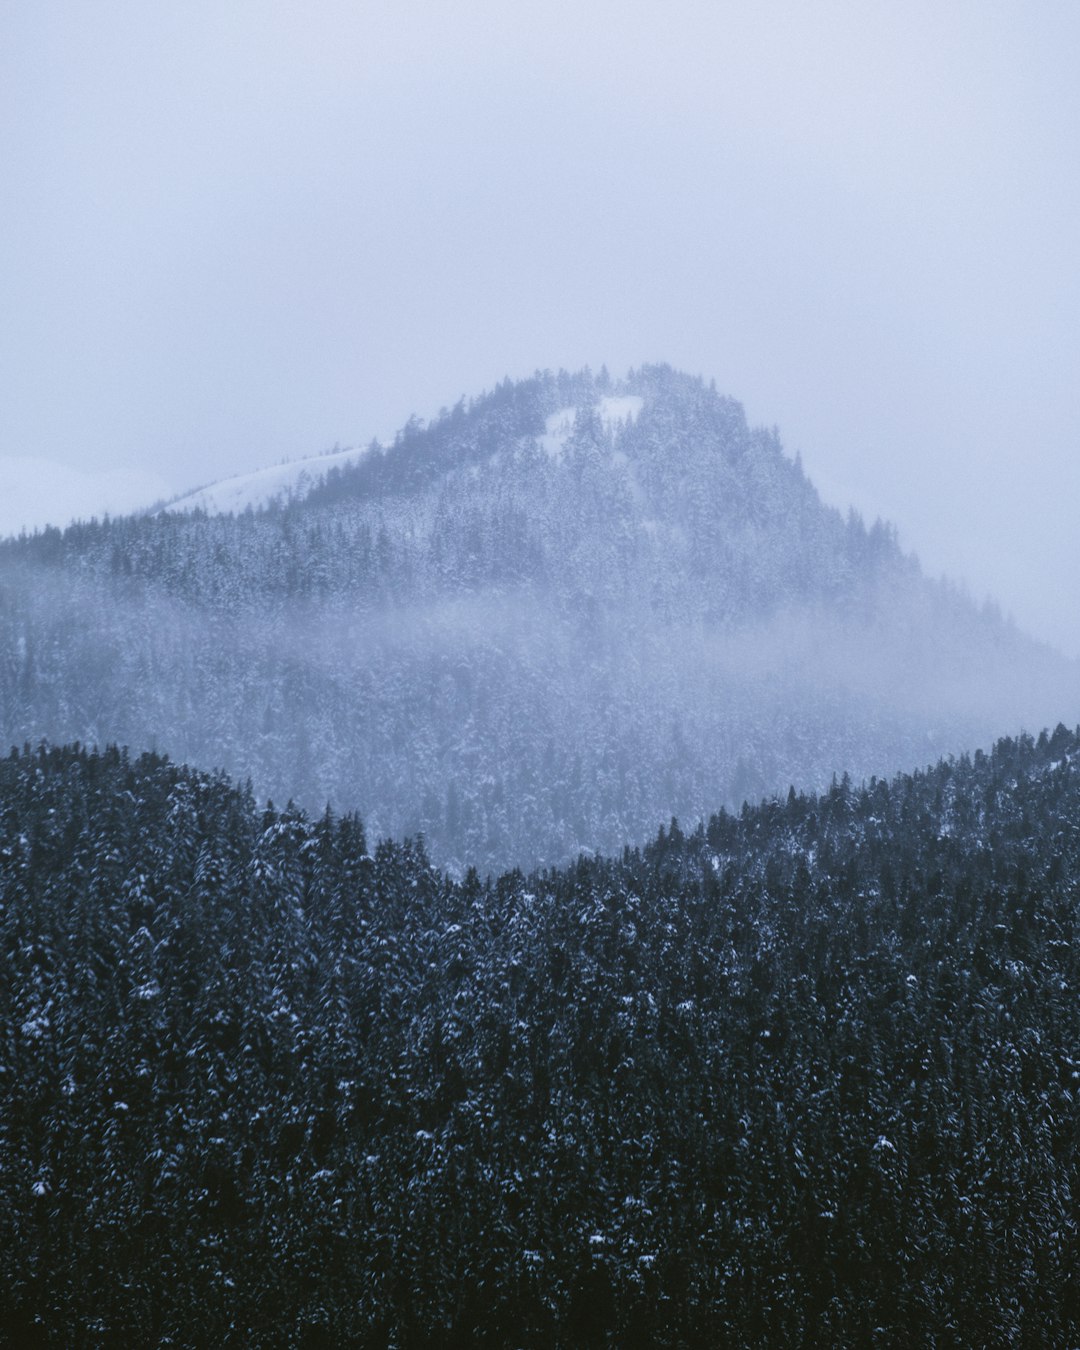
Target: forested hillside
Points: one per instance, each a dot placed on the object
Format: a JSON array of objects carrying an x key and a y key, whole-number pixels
[
  {"x": 807, "y": 1075},
  {"x": 543, "y": 623}
]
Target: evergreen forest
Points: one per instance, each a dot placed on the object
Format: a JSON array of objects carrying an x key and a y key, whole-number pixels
[{"x": 807, "y": 1074}]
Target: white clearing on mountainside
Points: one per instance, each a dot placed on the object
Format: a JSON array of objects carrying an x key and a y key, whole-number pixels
[
  {"x": 559, "y": 426},
  {"x": 622, "y": 409},
  {"x": 261, "y": 487}
]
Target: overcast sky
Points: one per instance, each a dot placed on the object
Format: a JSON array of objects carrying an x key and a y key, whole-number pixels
[{"x": 233, "y": 233}]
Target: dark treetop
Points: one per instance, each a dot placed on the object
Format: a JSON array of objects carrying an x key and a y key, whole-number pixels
[{"x": 807, "y": 1075}]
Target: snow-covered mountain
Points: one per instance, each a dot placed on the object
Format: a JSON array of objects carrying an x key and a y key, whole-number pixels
[{"x": 551, "y": 619}]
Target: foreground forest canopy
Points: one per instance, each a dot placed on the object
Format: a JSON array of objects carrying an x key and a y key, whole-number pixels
[
  {"x": 806, "y": 1075},
  {"x": 556, "y": 615}
]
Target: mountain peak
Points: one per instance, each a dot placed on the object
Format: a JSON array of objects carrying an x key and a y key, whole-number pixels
[{"x": 545, "y": 621}]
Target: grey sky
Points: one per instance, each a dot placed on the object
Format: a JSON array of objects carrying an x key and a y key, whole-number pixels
[{"x": 234, "y": 233}]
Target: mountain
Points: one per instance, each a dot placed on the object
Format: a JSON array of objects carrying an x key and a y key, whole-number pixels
[
  {"x": 807, "y": 1075},
  {"x": 556, "y": 615}
]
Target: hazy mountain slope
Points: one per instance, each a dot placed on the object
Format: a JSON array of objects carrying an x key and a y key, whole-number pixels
[
  {"x": 807, "y": 1076},
  {"x": 550, "y": 619}
]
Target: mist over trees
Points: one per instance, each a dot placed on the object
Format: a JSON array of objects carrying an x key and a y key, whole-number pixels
[{"x": 550, "y": 619}]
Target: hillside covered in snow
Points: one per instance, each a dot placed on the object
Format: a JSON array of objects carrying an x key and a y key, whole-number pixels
[
  {"x": 553, "y": 617},
  {"x": 274, "y": 486}
]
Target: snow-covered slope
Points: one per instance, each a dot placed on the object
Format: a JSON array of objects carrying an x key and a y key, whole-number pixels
[
  {"x": 264, "y": 485},
  {"x": 297, "y": 478}
]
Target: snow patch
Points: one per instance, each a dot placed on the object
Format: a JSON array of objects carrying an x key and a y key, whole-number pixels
[
  {"x": 622, "y": 408},
  {"x": 558, "y": 428},
  {"x": 614, "y": 412},
  {"x": 258, "y": 489}
]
